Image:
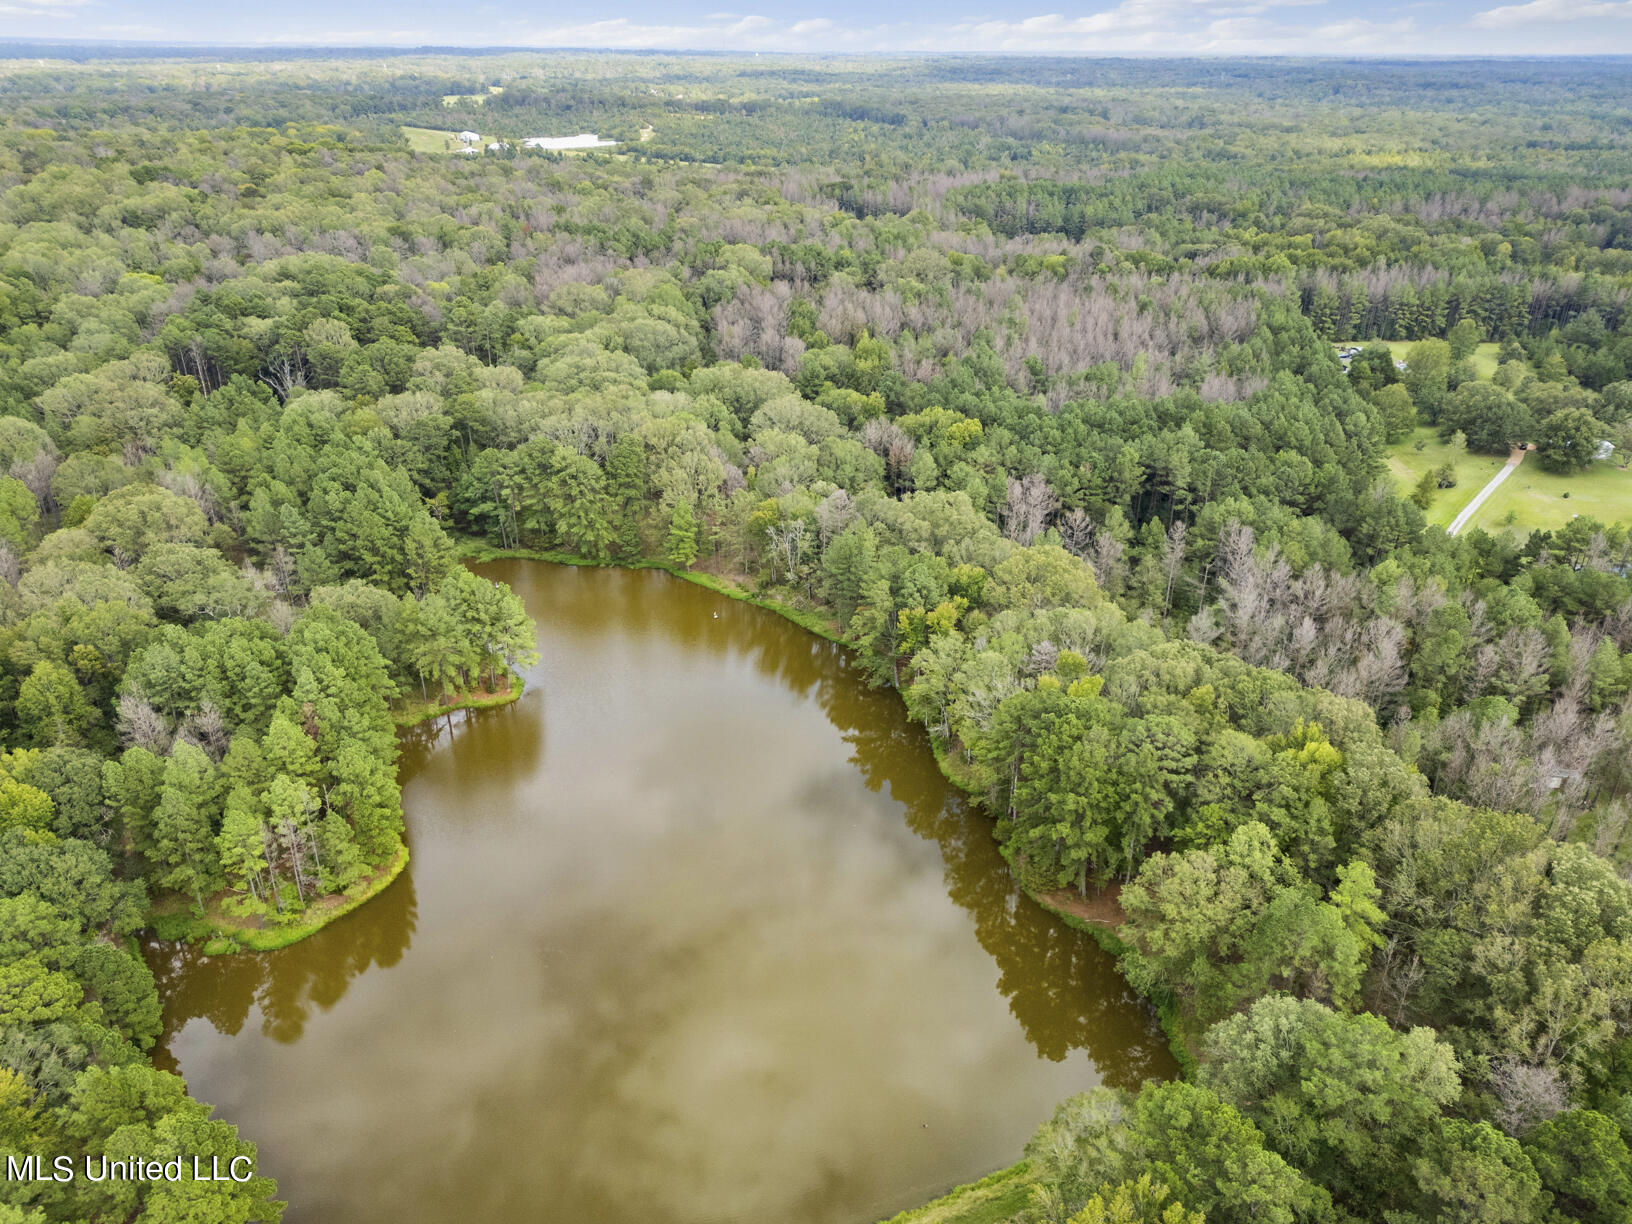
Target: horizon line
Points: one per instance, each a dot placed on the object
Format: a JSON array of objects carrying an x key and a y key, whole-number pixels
[{"x": 743, "y": 53}]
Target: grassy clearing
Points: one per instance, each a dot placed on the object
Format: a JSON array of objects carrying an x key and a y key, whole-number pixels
[
  {"x": 993, "y": 1199},
  {"x": 1484, "y": 357},
  {"x": 1484, "y": 361},
  {"x": 452, "y": 100},
  {"x": 429, "y": 140},
  {"x": 1407, "y": 464},
  {"x": 1536, "y": 498},
  {"x": 173, "y": 918}
]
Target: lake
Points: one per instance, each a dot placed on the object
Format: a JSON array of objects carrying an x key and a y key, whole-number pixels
[{"x": 694, "y": 932}]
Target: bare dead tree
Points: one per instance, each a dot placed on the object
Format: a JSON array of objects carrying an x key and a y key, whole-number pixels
[
  {"x": 281, "y": 617},
  {"x": 208, "y": 729},
  {"x": 286, "y": 373},
  {"x": 1172, "y": 562},
  {"x": 36, "y": 473},
  {"x": 192, "y": 486},
  {"x": 834, "y": 513},
  {"x": 141, "y": 726},
  {"x": 1077, "y": 533},
  {"x": 1399, "y": 972},
  {"x": 1106, "y": 560},
  {"x": 1042, "y": 658},
  {"x": 1527, "y": 1094},
  {"x": 1029, "y": 504},
  {"x": 1525, "y": 655},
  {"x": 1204, "y": 626},
  {"x": 1611, "y": 826},
  {"x": 788, "y": 546}
]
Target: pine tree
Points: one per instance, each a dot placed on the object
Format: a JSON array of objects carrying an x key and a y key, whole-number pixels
[
  {"x": 130, "y": 787},
  {"x": 365, "y": 793},
  {"x": 846, "y": 567},
  {"x": 578, "y": 505},
  {"x": 682, "y": 544},
  {"x": 342, "y": 861},
  {"x": 185, "y": 855},
  {"x": 291, "y": 805},
  {"x": 242, "y": 844}
]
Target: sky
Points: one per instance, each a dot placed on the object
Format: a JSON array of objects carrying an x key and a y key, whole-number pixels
[{"x": 1105, "y": 27}]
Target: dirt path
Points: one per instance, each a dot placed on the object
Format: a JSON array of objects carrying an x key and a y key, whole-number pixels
[
  {"x": 1103, "y": 907},
  {"x": 1479, "y": 498}
]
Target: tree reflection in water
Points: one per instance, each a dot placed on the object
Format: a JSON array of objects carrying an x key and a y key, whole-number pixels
[{"x": 642, "y": 983}]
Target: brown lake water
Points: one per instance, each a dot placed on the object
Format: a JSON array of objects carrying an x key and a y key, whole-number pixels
[{"x": 694, "y": 932}]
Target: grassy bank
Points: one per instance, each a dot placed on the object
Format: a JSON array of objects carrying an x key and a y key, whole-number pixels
[
  {"x": 412, "y": 712},
  {"x": 721, "y": 584},
  {"x": 224, "y": 932},
  {"x": 994, "y": 1198}
]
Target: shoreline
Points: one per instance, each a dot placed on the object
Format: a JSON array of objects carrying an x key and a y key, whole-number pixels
[
  {"x": 1004, "y": 1189},
  {"x": 416, "y": 712},
  {"x": 223, "y": 935},
  {"x": 219, "y": 930}
]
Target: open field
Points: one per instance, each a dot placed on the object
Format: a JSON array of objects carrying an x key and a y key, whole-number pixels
[
  {"x": 434, "y": 140},
  {"x": 1407, "y": 464},
  {"x": 429, "y": 140},
  {"x": 1484, "y": 360},
  {"x": 452, "y": 100},
  {"x": 1536, "y": 497}
]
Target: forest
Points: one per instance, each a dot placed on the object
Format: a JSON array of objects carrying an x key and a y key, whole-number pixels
[{"x": 1020, "y": 377}]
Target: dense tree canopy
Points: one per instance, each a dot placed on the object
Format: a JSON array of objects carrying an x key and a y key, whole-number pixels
[{"x": 1021, "y": 377}]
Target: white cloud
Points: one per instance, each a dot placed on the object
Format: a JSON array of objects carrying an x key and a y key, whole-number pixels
[
  {"x": 1173, "y": 26},
  {"x": 1176, "y": 27},
  {"x": 621, "y": 32},
  {"x": 1097, "y": 27},
  {"x": 58, "y": 9},
  {"x": 360, "y": 38},
  {"x": 1550, "y": 10}
]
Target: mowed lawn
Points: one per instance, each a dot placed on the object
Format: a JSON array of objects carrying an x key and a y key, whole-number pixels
[
  {"x": 1484, "y": 357},
  {"x": 1484, "y": 361},
  {"x": 1537, "y": 498},
  {"x": 429, "y": 140},
  {"x": 1407, "y": 464}
]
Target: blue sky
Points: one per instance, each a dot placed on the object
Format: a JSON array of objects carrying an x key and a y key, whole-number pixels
[{"x": 1144, "y": 27}]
